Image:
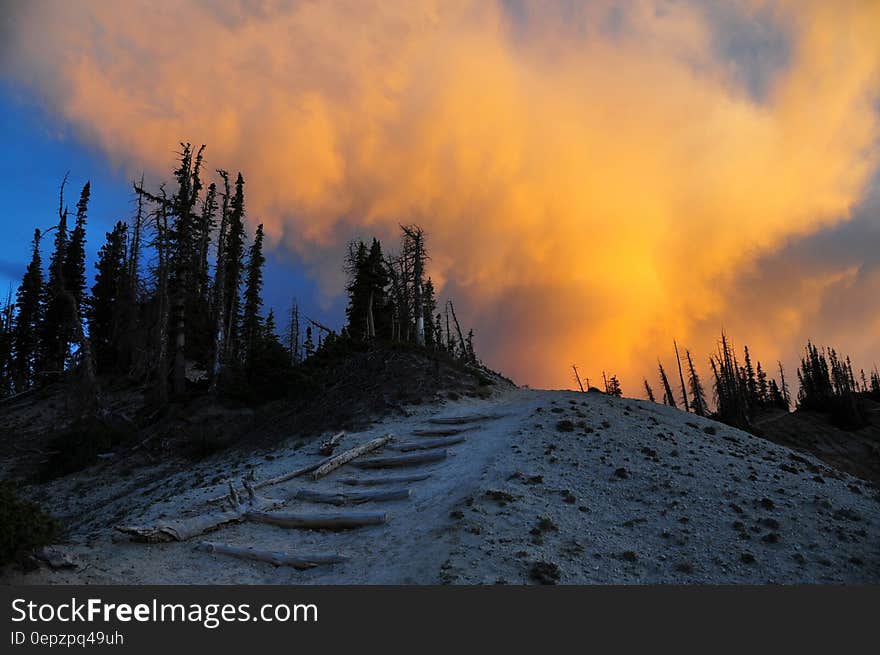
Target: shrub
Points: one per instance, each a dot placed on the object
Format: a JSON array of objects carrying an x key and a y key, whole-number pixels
[{"x": 23, "y": 525}]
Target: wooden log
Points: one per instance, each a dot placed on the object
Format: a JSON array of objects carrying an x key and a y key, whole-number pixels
[
  {"x": 351, "y": 497},
  {"x": 389, "y": 479},
  {"x": 409, "y": 459},
  {"x": 329, "y": 446},
  {"x": 442, "y": 432},
  {"x": 319, "y": 521},
  {"x": 344, "y": 458},
  {"x": 308, "y": 468},
  {"x": 461, "y": 420},
  {"x": 183, "y": 529},
  {"x": 428, "y": 444},
  {"x": 299, "y": 561}
]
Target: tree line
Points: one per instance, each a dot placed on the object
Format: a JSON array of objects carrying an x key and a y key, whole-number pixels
[
  {"x": 176, "y": 303},
  {"x": 743, "y": 389}
]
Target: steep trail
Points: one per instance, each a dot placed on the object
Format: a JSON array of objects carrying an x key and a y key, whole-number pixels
[{"x": 546, "y": 486}]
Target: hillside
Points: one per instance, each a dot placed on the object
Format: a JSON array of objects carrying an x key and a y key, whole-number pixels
[
  {"x": 547, "y": 486},
  {"x": 855, "y": 451}
]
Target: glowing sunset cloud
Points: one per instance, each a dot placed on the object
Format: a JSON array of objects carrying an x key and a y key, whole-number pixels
[{"x": 594, "y": 180}]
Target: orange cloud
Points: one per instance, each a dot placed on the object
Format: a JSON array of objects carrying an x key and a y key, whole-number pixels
[{"x": 592, "y": 178}]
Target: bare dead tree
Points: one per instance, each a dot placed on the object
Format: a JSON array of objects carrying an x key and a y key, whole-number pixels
[
  {"x": 219, "y": 296},
  {"x": 414, "y": 240},
  {"x": 684, "y": 396},
  {"x": 577, "y": 377}
]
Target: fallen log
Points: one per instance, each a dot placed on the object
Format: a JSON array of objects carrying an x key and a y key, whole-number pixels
[
  {"x": 427, "y": 444},
  {"x": 329, "y": 446},
  {"x": 344, "y": 458},
  {"x": 389, "y": 479},
  {"x": 183, "y": 529},
  {"x": 299, "y": 561},
  {"x": 319, "y": 521},
  {"x": 410, "y": 459},
  {"x": 351, "y": 497},
  {"x": 308, "y": 468},
  {"x": 461, "y": 420}
]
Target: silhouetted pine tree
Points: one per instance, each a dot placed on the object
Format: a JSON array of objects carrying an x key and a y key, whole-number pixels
[
  {"x": 430, "y": 307},
  {"x": 649, "y": 391},
  {"x": 358, "y": 288},
  {"x": 827, "y": 385},
  {"x": 698, "y": 396},
  {"x": 783, "y": 387},
  {"x": 762, "y": 389},
  {"x": 234, "y": 262},
  {"x": 54, "y": 334},
  {"x": 730, "y": 386},
  {"x": 612, "y": 386},
  {"x": 684, "y": 396},
  {"x": 308, "y": 344},
  {"x": 251, "y": 321},
  {"x": 106, "y": 309},
  {"x": 751, "y": 382},
  {"x": 28, "y": 321},
  {"x": 776, "y": 397},
  {"x": 74, "y": 266},
  {"x": 668, "y": 398}
]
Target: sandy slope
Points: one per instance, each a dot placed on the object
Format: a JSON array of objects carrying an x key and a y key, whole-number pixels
[{"x": 634, "y": 493}]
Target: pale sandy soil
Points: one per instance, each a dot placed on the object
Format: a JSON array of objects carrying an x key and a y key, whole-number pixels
[{"x": 635, "y": 493}]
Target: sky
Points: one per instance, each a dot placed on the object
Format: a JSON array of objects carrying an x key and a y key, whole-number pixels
[{"x": 595, "y": 179}]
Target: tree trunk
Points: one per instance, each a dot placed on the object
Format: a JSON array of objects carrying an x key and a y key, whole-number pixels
[
  {"x": 428, "y": 444},
  {"x": 411, "y": 459},
  {"x": 319, "y": 521},
  {"x": 299, "y": 561},
  {"x": 343, "y": 458},
  {"x": 351, "y": 498}
]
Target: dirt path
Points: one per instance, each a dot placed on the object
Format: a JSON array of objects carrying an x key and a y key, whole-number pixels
[{"x": 554, "y": 487}]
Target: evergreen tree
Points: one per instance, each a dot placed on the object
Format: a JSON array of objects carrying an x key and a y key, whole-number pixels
[
  {"x": 775, "y": 396},
  {"x": 234, "y": 263},
  {"x": 612, "y": 386},
  {"x": 649, "y": 391},
  {"x": 668, "y": 398},
  {"x": 748, "y": 374},
  {"x": 783, "y": 387},
  {"x": 251, "y": 322},
  {"x": 308, "y": 344},
  {"x": 430, "y": 307},
  {"x": 763, "y": 389},
  {"x": 74, "y": 266},
  {"x": 54, "y": 337},
  {"x": 28, "y": 321},
  {"x": 698, "y": 396},
  {"x": 684, "y": 396},
  {"x": 357, "y": 311},
  {"x": 106, "y": 308}
]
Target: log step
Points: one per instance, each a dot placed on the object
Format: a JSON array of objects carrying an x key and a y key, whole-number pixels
[
  {"x": 389, "y": 479},
  {"x": 409, "y": 459},
  {"x": 299, "y": 561},
  {"x": 442, "y": 432},
  {"x": 320, "y": 521},
  {"x": 351, "y": 497},
  {"x": 461, "y": 420},
  {"x": 427, "y": 444}
]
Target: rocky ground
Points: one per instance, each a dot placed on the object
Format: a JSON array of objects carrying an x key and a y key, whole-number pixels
[{"x": 547, "y": 487}]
